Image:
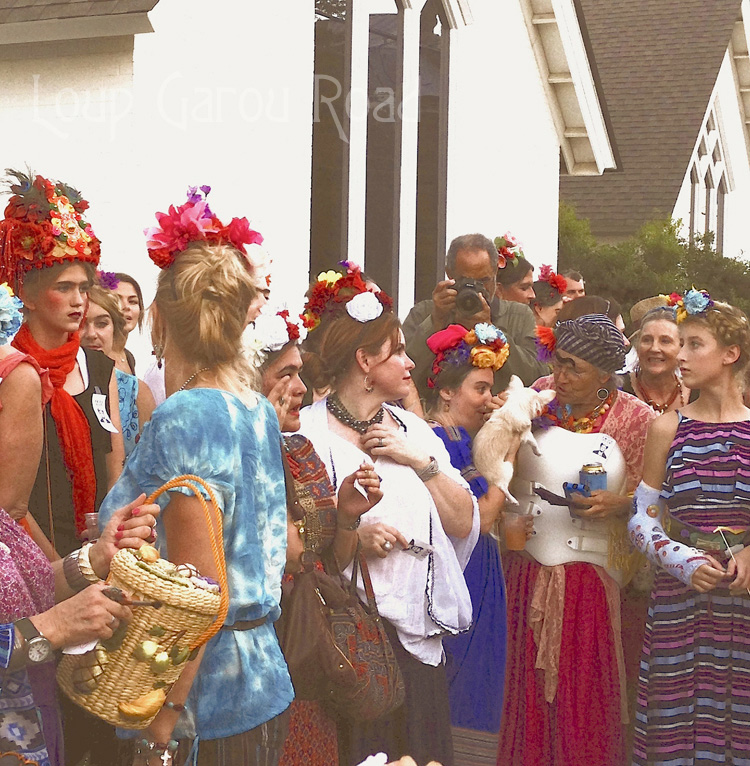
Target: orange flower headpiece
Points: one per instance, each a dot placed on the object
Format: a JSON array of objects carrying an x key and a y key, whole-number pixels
[
  {"x": 555, "y": 281},
  {"x": 43, "y": 226},
  {"x": 485, "y": 347}
]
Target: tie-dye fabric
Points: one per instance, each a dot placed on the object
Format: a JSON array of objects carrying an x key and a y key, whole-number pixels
[
  {"x": 127, "y": 390},
  {"x": 243, "y": 680}
]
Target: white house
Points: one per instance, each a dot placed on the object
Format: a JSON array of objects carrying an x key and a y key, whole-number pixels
[
  {"x": 676, "y": 78},
  {"x": 447, "y": 116}
]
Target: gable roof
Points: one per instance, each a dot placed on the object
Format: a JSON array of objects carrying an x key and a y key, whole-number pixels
[{"x": 658, "y": 63}]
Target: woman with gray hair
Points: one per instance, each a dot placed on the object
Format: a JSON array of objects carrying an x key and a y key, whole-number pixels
[{"x": 565, "y": 699}]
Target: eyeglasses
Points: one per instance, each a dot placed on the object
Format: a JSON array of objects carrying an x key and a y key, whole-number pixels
[{"x": 559, "y": 367}]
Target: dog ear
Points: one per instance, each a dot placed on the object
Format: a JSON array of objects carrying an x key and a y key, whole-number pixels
[
  {"x": 515, "y": 383},
  {"x": 547, "y": 396}
]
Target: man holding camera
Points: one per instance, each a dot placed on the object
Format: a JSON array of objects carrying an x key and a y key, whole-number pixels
[{"x": 466, "y": 298}]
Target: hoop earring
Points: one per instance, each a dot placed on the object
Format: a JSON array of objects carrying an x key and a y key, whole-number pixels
[
  {"x": 602, "y": 394},
  {"x": 368, "y": 387}
]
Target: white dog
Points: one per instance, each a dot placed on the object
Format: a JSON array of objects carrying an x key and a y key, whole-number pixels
[{"x": 495, "y": 439}]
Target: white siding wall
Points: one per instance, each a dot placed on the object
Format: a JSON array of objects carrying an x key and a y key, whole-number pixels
[
  {"x": 220, "y": 94},
  {"x": 503, "y": 166},
  {"x": 732, "y": 131}
]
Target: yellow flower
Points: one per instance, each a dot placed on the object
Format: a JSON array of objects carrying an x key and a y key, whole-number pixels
[
  {"x": 483, "y": 357},
  {"x": 331, "y": 277},
  {"x": 681, "y": 314},
  {"x": 502, "y": 356},
  {"x": 6, "y": 286},
  {"x": 470, "y": 337}
]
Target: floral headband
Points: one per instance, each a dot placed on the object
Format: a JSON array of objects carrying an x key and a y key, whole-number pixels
[
  {"x": 43, "y": 226},
  {"x": 693, "y": 303},
  {"x": 271, "y": 331},
  {"x": 10, "y": 314},
  {"x": 508, "y": 250},
  {"x": 556, "y": 281},
  {"x": 334, "y": 290},
  {"x": 485, "y": 347},
  {"x": 194, "y": 222}
]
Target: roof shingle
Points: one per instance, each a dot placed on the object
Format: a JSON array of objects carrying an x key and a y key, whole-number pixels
[
  {"x": 12, "y": 11},
  {"x": 658, "y": 63}
]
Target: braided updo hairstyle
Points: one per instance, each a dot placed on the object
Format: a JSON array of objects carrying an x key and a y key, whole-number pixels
[
  {"x": 202, "y": 299},
  {"x": 729, "y": 326}
]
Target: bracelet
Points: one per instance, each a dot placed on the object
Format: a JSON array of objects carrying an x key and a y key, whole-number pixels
[
  {"x": 72, "y": 571},
  {"x": 430, "y": 471},
  {"x": 353, "y": 527},
  {"x": 176, "y": 706},
  {"x": 165, "y": 751},
  {"x": 84, "y": 564}
]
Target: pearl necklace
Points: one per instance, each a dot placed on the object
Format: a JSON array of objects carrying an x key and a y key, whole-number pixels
[
  {"x": 192, "y": 378},
  {"x": 337, "y": 409}
]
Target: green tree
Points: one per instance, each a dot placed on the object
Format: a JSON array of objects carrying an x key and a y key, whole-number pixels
[{"x": 656, "y": 260}]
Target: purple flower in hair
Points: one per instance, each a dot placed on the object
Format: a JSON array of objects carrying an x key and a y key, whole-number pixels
[
  {"x": 108, "y": 279},
  {"x": 197, "y": 194}
]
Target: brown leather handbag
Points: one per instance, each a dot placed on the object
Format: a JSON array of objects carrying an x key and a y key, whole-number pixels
[{"x": 335, "y": 646}]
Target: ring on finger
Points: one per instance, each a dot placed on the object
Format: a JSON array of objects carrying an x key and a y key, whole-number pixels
[
  {"x": 112, "y": 619},
  {"x": 387, "y": 545},
  {"x": 281, "y": 401},
  {"x": 380, "y": 442}
]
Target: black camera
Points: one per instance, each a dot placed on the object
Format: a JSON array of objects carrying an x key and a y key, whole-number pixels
[{"x": 468, "y": 301}]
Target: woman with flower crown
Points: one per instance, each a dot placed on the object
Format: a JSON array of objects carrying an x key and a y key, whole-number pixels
[
  {"x": 48, "y": 255},
  {"x": 420, "y": 535},
  {"x": 549, "y": 291},
  {"x": 565, "y": 688},
  {"x": 459, "y": 401},
  {"x": 692, "y": 519},
  {"x": 229, "y": 705},
  {"x": 326, "y": 540}
]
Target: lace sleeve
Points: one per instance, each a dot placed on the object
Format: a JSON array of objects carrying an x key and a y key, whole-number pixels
[{"x": 648, "y": 535}]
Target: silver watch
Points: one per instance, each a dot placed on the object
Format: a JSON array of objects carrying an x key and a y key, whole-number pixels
[{"x": 38, "y": 648}]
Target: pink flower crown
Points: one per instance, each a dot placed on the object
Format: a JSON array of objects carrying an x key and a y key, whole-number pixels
[{"x": 193, "y": 221}]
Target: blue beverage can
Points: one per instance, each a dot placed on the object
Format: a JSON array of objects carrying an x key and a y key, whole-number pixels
[{"x": 594, "y": 476}]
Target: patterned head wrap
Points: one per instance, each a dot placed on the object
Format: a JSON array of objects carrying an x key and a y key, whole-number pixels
[{"x": 593, "y": 338}]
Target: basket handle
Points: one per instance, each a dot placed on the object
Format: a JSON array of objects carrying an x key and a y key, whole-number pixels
[{"x": 216, "y": 535}]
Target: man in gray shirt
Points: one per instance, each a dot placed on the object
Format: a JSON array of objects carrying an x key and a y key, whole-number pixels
[{"x": 473, "y": 257}]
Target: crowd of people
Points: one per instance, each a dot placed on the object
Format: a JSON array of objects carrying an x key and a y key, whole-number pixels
[{"x": 593, "y": 612}]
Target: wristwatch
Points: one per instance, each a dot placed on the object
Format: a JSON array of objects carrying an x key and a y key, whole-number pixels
[{"x": 38, "y": 648}]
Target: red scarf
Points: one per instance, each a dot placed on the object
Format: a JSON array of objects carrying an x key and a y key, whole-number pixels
[{"x": 73, "y": 428}]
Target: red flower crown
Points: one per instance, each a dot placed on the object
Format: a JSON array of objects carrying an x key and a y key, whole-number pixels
[
  {"x": 43, "y": 225},
  {"x": 508, "y": 250},
  {"x": 333, "y": 290},
  {"x": 556, "y": 281}
]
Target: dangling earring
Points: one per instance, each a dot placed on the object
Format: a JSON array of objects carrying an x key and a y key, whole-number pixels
[
  {"x": 368, "y": 387},
  {"x": 602, "y": 394},
  {"x": 158, "y": 352}
]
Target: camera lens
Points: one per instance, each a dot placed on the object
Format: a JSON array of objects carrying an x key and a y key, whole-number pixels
[{"x": 468, "y": 301}]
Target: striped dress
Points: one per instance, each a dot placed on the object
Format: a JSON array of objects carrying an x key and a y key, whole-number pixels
[{"x": 694, "y": 686}]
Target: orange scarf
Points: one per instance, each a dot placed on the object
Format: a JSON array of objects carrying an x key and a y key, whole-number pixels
[{"x": 73, "y": 428}]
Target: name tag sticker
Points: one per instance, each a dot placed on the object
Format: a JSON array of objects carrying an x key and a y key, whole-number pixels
[
  {"x": 99, "y": 403},
  {"x": 418, "y": 549}
]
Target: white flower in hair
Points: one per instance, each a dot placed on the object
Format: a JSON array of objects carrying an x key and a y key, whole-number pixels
[
  {"x": 260, "y": 260},
  {"x": 364, "y": 307},
  {"x": 272, "y": 331}
]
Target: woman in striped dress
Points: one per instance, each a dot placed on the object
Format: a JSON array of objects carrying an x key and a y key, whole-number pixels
[{"x": 694, "y": 687}]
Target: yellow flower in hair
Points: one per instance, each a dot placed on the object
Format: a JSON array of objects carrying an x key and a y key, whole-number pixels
[
  {"x": 501, "y": 356},
  {"x": 483, "y": 357},
  {"x": 331, "y": 277},
  {"x": 470, "y": 337}
]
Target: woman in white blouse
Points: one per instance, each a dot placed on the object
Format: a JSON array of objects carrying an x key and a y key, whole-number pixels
[{"x": 420, "y": 536}]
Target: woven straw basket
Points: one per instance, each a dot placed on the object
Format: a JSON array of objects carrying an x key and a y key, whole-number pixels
[{"x": 126, "y": 683}]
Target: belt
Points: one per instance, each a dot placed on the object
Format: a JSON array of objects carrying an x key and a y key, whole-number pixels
[
  {"x": 245, "y": 624},
  {"x": 707, "y": 541}
]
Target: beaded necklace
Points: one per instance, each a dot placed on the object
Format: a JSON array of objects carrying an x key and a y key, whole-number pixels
[
  {"x": 337, "y": 409},
  {"x": 646, "y": 396},
  {"x": 560, "y": 415}
]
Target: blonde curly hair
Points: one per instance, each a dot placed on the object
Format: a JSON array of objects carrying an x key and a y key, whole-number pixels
[
  {"x": 202, "y": 299},
  {"x": 729, "y": 326}
]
